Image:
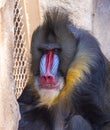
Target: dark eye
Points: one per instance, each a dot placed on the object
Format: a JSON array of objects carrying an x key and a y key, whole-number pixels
[
  {"x": 56, "y": 50},
  {"x": 43, "y": 50}
]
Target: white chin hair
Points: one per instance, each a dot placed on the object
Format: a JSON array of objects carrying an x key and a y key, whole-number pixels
[{"x": 47, "y": 96}]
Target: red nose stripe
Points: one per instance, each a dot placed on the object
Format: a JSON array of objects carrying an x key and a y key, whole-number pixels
[{"x": 49, "y": 61}]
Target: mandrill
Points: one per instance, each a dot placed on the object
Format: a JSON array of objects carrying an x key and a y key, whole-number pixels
[{"x": 69, "y": 88}]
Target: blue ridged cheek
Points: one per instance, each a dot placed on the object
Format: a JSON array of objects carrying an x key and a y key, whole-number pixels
[
  {"x": 54, "y": 67},
  {"x": 43, "y": 65}
]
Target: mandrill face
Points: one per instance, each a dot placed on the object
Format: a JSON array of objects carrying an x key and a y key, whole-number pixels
[
  {"x": 50, "y": 71},
  {"x": 52, "y": 54},
  {"x": 49, "y": 82}
]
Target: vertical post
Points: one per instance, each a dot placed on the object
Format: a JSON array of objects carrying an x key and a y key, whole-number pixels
[
  {"x": 9, "y": 112},
  {"x": 32, "y": 17}
]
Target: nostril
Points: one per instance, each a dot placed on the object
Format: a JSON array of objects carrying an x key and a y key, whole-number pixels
[
  {"x": 47, "y": 79},
  {"x": 50, "y": 77},
  {"x": 43, "y": 78}
]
